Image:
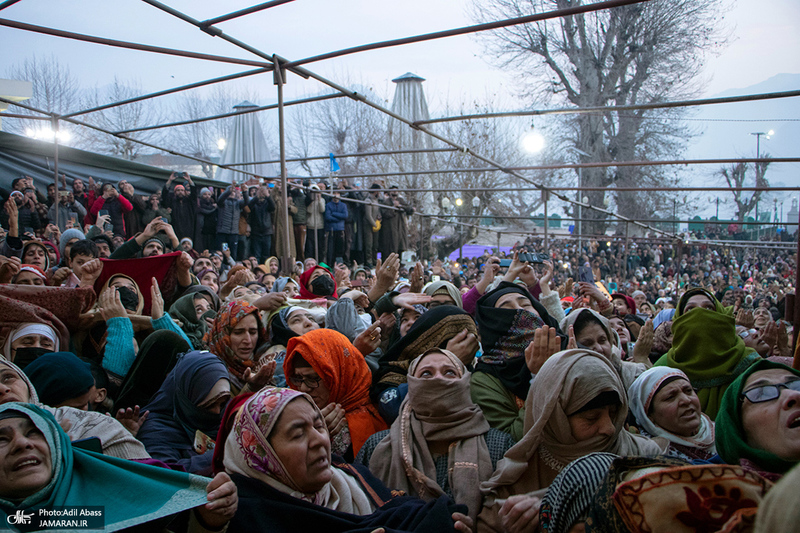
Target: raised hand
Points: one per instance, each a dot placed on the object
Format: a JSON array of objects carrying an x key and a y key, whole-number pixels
[{"x": 545, "y": 343}]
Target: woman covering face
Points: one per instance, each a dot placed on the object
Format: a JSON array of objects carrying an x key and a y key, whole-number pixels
[
  {"x": 759, "y": 419},
  {"x": 706, "y": 348},
  {"x": 317, "y": 282},
  {"x": 665, "y": 405},
  {"x": 28, "y": 341}
]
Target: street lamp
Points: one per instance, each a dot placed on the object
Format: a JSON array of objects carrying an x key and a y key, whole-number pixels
[
  {"x": 221, "y": 144},
  {"x": 533, "y": 142},
  {"x": 476, "y": 202},
  {"x": 459, "y": 201}
]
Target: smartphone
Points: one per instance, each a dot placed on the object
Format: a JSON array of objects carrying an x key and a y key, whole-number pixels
[
  {"x": 338, "y": 260},
  {"x": 505, "y": 263},
  {"x": 28, "y": 229},
  {"x": 533, "y": 257},
  {"x": 74, "y": 217},
  {"x": 585, "y": 274},
  {"x": 270, "y": 185},
  {"x": 103, "y": 212},
  {"x": 63, "y": 194},
  {"x": 110, "y": 227},
  {"x": 357, "y": 283},
  {"x": 224, "y": 246},
  {"x": 435, "y": 277},
  {"x": 164, "y": 219}
]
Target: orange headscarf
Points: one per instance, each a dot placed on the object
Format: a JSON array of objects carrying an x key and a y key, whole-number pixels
[{"x": 346, "y": 374}]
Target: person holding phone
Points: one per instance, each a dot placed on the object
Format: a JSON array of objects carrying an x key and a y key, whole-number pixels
[
  {"x": 261, "y": 228},
  {"x": 111, "y": 201},
  {"x": 67, "y": 209},
  {"x": 230, "y": 204},
  {"x": 183, "y": 202}
]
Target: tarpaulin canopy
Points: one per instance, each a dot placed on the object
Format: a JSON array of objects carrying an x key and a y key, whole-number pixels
[{"x": 25, "y": 156}]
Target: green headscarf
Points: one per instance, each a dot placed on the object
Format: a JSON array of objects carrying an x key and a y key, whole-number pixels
[
  {"x": 183, "y": 310},
  {"x": 731, "y": 440},
  {"x": 706, "y": 348},
  {"x": 132, "y": 493}
]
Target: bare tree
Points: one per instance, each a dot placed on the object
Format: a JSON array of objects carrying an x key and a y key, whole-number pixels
[
  {"x": 735, "y": 176},
  {"x": 119, "y": 118},
  {"x": 636, "y": 54},
  {"x": 54, "y": 90}
]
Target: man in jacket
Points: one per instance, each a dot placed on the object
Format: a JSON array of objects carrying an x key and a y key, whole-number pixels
[
  {"x": 315, "y": 221},
  {"x": 335, "y": 216},
  {"x": 229, "y": 206},
  {"x": 183, "y": 204},
  {"x": 299, "y": 220},
  {"x": 261, "y": 229}
]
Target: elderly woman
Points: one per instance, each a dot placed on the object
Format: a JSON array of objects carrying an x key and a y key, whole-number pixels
[
  {"x": 508, "y": 318},
  {"x": 326, "y": 366},
  {"x": 665, "y": 405},
  {"x": 446, "y": 326},
  {"x": 278, "y": 453},
  {"x": 54, "y": 473},
  {"x": 235, "y": 337},
  {"x": 115, "y": 440},
  {"x": 184, "y": 416},
  {"x": 706, "y": 348},
  {"x": 576, "y": 406},
  {"x": 759, "y": 420},
  {"x": 28, "y": 341},
  {"x": 440, "y": 443}
]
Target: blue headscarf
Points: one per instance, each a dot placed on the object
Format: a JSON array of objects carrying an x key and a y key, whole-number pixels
[
  {"x": 174, "y": 413},
  {"x": 132, "y": 493}
]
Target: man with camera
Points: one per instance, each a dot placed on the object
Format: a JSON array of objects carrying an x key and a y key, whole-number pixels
[
  {"x": 68, "y": 208},
  {"x": 182, "y": 203}
]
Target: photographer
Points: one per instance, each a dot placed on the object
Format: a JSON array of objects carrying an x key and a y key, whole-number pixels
[
  {"x": 230, "y": 204},
  {"x": 67, "y": 208},
  {"x": 182, "y": 203},
  {"x": 111, "y": 201}
]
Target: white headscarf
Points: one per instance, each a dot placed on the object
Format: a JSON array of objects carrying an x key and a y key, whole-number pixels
[
  {"x": 640, "y": 396},
  {"x": 30, "y": 328}
]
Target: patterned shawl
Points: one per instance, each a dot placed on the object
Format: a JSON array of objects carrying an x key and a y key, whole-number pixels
[
  {"x": 219, "y": 339},
  {"x": 248, "y": 452}
]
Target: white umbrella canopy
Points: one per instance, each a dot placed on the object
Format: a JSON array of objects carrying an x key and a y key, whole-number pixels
[{"x": 245, "y": 144}]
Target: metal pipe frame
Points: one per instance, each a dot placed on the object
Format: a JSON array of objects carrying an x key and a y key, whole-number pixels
[
  {"x": 610, "y": 189},
  {"x": 586, "y": 8},
  {"x": 650, "y": 220},
  {"x": 242, "y": 12},
  {"x": 129, "y": 45},
  {"x": 234, "y": 113},
  {"x": 602, "y": 109},
  {"x": 171, "y": 91},
  {"x": 358, "y": 154}
]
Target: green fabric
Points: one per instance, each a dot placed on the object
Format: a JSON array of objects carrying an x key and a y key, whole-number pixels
[
  {"x": 132, "y": 493},
  {"x": 707, "y": 349},
  {"x": 499, "y": 405},
  {"x": 730, "y": 437},
  {"x": 183, "y": 310}
]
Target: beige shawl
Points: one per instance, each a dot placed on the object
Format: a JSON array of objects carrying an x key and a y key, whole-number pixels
[{"x": 436, "y": 410}]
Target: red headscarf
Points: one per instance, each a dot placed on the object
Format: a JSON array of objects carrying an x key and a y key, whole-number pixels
[
  {"x": 346, "y": 374},
  {"x": 306, "y": 294}
]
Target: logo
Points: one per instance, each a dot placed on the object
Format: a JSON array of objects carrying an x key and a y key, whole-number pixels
[{"x": 19, "y": 518}]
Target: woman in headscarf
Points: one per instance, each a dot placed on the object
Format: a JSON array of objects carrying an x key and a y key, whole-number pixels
[
  {"x": 706, "y": 348},
  {"x": 58, "y": 474},
  {"x": 235, "y": 337},
  {"x": 210, "y": 279},
  {"x": 184, "y": 416},
  {"x": 317, "y": 282},
  {"x": 446, "y": 327},
  {"x": 443, "y": 293},
  {"x": 28, "y": 341},
  {"x": 287, "y": 322},
  {"x": 286, "y": 285},
  {"x": 325, "y": 365},
  {"x": 278, "y": 453},
  {"x": 508, "y": 318},
  {"x": 62, "y": 379},
  {"x": 594, "y": 332},
  {"x": 758, "y": 425},
  {"x": 114, "y": 438},
  {"x": 665, "y": 405},
  {"x": 576, "y": 406},
  {"x": 191, "y": 310},
  {"x": 440, "y": 443},
  {"x": 35, "y": 253}
]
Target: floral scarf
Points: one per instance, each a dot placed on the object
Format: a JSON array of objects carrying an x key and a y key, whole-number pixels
[{"x": 219, "y": 338}]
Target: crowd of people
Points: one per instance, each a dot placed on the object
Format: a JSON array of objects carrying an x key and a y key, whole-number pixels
[{"x": 164, "y": 351}]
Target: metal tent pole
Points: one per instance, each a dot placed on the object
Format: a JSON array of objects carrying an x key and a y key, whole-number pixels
[
  {"x": 286, "y": 258},
  {"x": 55, "y": 165}
]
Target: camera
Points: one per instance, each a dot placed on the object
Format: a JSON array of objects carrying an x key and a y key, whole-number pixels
[{"x": 532, "y": 257}]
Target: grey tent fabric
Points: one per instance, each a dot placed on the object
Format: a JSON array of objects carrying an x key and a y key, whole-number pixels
[
  {"x": 21, "y": 155},
  {"x": 245, "y": 144}
]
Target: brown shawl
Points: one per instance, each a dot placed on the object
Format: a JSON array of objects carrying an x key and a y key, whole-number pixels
[{"x": 437, "y": 410}]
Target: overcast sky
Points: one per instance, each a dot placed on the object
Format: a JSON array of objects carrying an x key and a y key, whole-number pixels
[{"x": 765, "y": 42}]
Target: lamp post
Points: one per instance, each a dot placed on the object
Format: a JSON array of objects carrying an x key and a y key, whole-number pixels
[{"x": 758, "y": 135}]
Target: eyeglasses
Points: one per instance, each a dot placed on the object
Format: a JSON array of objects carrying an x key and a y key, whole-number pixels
[
  {"x": 311, "y": 383},
  {"x": 747, "y": 332},
  {"x": 766, "y": 393}
]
